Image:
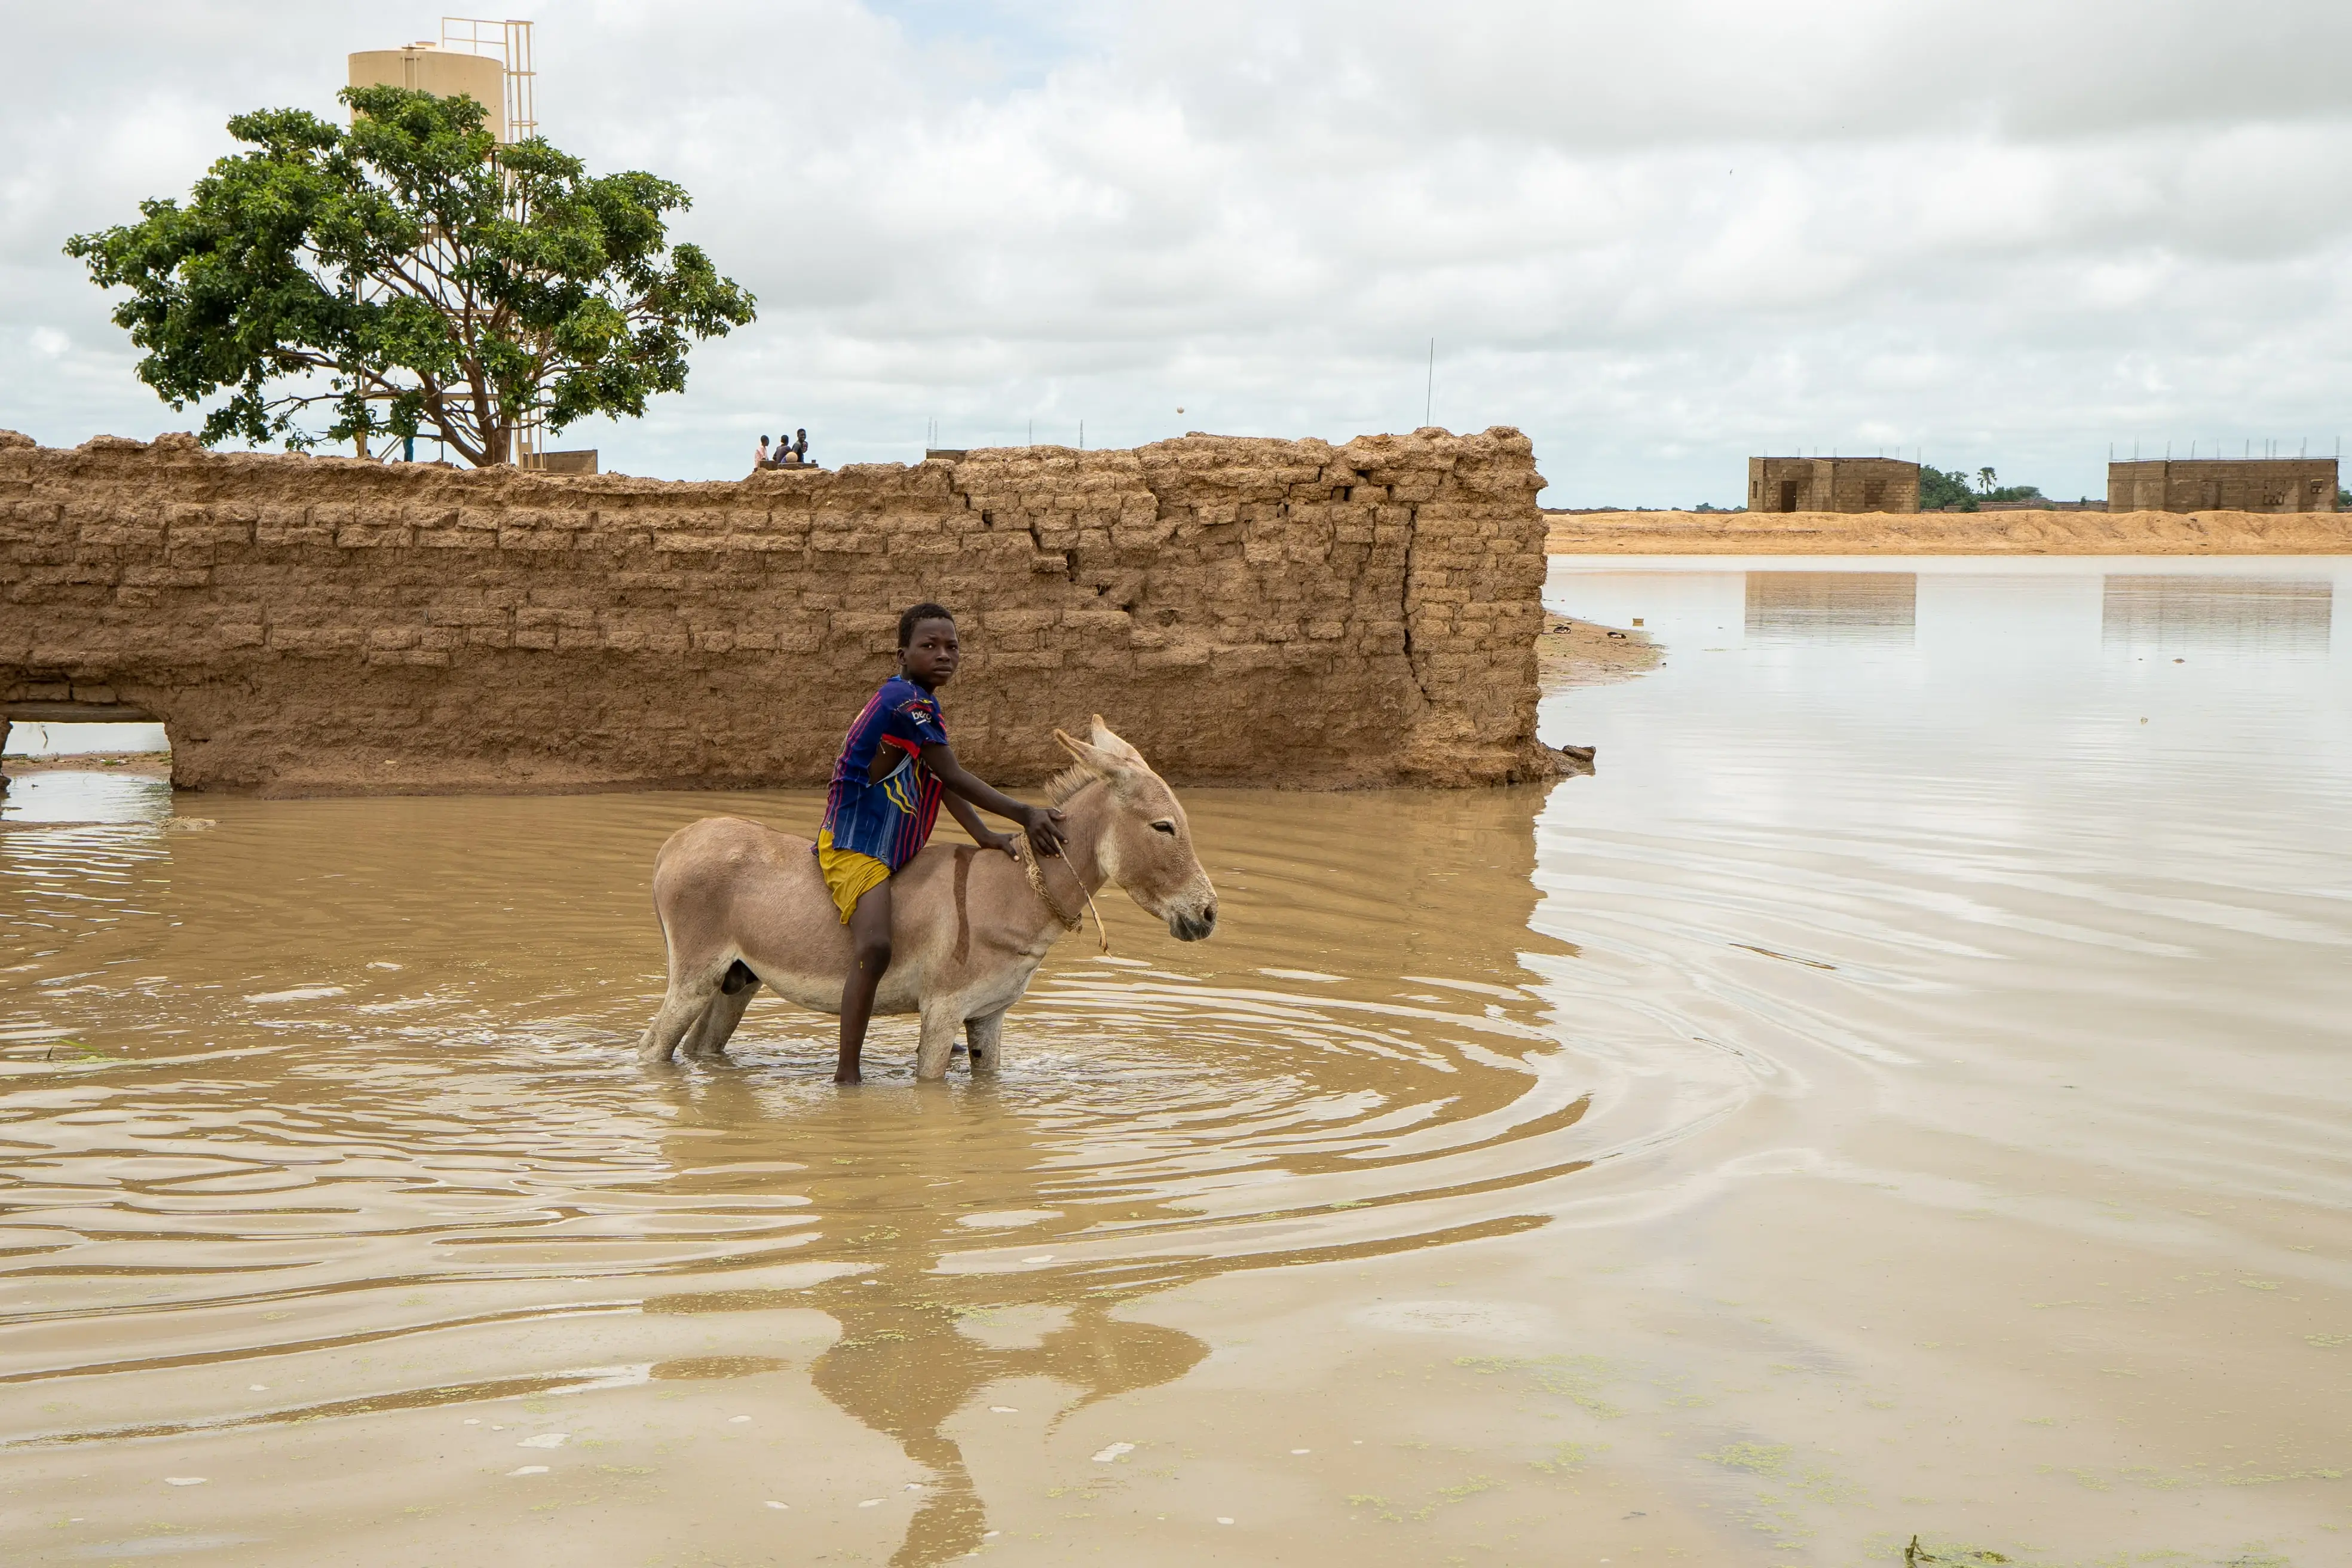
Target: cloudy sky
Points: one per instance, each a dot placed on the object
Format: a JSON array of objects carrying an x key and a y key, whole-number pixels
[{"x": 1657, "y": 237}]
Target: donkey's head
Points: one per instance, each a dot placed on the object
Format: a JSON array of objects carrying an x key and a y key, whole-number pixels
[{"x": 1147, "y": 844}]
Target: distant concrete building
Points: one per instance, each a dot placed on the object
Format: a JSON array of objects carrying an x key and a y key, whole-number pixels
[
  {"x": 1833, "y": 484},
  {"x": 2224, "y": 484}
]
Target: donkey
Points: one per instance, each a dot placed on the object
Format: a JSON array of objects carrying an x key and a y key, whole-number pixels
[{"x": 742, "y": 906}]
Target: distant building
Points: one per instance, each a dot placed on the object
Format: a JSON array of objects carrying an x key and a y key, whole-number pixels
[
  {"x": 1833, "y": 484},
  {"x": 2224, "y": 484}
]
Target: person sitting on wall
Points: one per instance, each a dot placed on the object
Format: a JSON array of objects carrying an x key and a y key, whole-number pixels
[
  {"x": 895, "y": 770},
  {"x": 800, "y": 446},
  {"x": 761, "y": 459}
]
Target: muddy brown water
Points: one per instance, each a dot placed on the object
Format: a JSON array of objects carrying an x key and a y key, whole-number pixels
[{"x": 1903, "y": 1092}]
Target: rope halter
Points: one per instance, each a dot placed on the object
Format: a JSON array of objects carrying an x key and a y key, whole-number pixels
[{"x": 1070, "y": 920}]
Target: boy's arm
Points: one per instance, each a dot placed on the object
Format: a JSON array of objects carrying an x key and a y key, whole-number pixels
[
  {"x": 981, "y": 834},
  {"x": 1040, "y": 822}
]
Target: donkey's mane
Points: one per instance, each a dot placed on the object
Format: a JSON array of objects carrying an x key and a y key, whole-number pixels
[{"x": 1067, "y": 783}]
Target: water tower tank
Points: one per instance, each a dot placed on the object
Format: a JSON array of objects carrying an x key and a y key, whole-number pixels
[{"x": 446, "y": 73}]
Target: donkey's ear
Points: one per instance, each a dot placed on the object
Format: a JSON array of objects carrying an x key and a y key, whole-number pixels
[
  {"x": 1102, "y": 763},
  {"x": 1111, "y": 743}
]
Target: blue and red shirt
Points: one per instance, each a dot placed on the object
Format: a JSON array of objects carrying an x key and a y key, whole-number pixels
[{"x": 891, "y": 818}]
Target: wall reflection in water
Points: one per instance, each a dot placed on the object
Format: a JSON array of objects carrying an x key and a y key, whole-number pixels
[
  {"x": 2174, "y": 616},
  {"x": 1832, "y": 606}
]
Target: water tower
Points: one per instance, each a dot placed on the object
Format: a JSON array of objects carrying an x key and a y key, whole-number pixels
[
  {"x": 488, "y": 62},
  {"x": 444, "y": 73}
]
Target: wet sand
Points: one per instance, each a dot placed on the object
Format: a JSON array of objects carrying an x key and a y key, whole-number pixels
[
  {"x": 1572, "y": 653},
  {"x": 1802, "y": 1134}
]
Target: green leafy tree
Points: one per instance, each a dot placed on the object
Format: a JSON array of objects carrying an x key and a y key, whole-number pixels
[
  {"x": 1984, "y": 477},
  {"x": 1940, "y": 490},
  {"x": 409, "y": 276}
]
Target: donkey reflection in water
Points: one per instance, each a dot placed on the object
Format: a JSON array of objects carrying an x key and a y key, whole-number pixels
[{"x": 743, "y": 906}]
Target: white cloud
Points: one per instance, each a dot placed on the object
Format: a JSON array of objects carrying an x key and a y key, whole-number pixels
[{"x": 1657, "y": 237}]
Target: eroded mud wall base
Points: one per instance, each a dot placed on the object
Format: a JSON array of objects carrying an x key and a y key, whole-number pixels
[{"x": 1247, "y": 611}]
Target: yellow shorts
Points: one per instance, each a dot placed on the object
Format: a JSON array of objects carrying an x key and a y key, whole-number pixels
[{"x": 848, "y": 876}]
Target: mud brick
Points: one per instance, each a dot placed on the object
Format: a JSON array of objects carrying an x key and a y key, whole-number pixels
[
  {"x": 315, "y": 640},
  {"x": 291, "y": 525},
  {"x": 452, "y": 538},
  {"x": 1114, "y": 623}
]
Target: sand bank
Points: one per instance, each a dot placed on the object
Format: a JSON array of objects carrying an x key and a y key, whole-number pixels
[
  {"x": 145, "y": 764},
  {"x": 1948, "y": 533},
  {"x": 1584, "y": 653}
]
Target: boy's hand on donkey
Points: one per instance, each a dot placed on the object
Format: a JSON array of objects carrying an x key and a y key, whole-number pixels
[{"x": 1042, "y": 823}]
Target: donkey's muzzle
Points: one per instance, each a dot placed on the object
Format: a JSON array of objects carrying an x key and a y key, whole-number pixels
[{"x": 1186, "y": 926}]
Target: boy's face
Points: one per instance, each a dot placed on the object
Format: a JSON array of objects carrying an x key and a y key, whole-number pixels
[{"x": 931, "y": 655}]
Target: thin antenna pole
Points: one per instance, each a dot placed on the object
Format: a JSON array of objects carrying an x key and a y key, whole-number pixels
[{"x": 1429, "y": 390}]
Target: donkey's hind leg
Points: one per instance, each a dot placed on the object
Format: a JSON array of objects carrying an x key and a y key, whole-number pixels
[
  {"x": 681, "y": 1009},
  {"x": 707, "y": 1040}
]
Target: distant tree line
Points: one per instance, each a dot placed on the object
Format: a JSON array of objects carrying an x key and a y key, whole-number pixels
[{"x": 1942, "y": 490}]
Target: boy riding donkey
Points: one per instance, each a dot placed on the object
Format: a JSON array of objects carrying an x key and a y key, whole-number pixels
[{"x": 896, "y": 767}]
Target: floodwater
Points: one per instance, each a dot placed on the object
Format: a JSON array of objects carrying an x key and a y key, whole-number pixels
[{"x": 1902, "y": 1093}]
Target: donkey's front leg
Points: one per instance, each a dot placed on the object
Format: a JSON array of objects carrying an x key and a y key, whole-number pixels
[
  {"x": 939, "y": 1020},
  {"x": 986, "y": 1037}
]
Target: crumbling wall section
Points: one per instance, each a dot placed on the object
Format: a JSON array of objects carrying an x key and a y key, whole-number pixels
[{"x": 1243, "y": 610}]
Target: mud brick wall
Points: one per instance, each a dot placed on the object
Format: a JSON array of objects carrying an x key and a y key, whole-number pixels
[
  {"x": 1245, "y": 611},
  {"x": 2259, "y": 485},
  {"x": 1833, "y": 484}
]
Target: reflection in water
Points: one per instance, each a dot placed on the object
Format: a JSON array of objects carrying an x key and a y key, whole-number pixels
[
  {"x": 1832, "y": 606},
  {"x": 904, "y": 1363},
  {"x": 279, "y": 1075},
  {"x": 2170, "y": 616}
]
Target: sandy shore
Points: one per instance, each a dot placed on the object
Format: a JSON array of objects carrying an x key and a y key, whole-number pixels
[
  {"x": 1950, "y": 533},
  {"x": 144, "y": 764},
  {"x": 1582, "y": 653}
]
